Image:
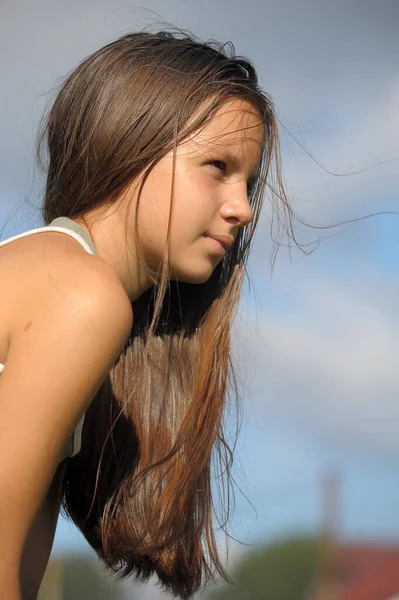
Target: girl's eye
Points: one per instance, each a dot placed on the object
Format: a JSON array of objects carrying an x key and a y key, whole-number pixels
[{"x": 220, "y": 165}]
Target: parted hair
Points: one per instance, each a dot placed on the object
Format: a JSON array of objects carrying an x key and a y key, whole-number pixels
[{"x": 154, "y": 454}]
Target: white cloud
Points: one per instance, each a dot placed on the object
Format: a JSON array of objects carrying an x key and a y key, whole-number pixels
[
  {"x": 361, "y": 144},
  {"x": 331, "y": 364}
]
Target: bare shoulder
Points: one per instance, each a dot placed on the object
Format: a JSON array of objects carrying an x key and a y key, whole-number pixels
[
  {"x": 51, "y": 267},
  {"x": 70, "y": 321}
]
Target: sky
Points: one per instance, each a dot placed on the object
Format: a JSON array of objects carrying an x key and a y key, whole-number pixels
[{"x": 316, "y": 340}]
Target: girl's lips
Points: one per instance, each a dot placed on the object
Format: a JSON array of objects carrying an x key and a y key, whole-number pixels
[{"x": 215, "y": 245}]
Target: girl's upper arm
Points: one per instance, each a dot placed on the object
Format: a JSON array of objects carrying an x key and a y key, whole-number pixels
[{"x": 61, "y": 350}]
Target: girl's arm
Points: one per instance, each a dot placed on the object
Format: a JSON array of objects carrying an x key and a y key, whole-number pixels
[{"x": 68, "y": 333}]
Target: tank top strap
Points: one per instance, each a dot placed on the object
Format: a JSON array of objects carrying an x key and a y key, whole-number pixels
[
  {"x": 75, "y": 442},
  {"x": 67, "y": 223}
]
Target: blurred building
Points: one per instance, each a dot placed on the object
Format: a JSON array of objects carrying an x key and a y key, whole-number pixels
[
  {"x": 361, "y": 572},
  {"x": 348, "y": 571}
]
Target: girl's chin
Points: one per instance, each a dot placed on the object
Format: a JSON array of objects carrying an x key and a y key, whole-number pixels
[{"x": 194, "y": 276}]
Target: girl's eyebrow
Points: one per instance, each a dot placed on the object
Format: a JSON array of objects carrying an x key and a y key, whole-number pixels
[{"x": 228, "y": 155}]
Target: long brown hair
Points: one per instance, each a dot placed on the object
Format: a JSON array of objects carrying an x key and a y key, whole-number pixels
[{"x": 141, "y": 490}]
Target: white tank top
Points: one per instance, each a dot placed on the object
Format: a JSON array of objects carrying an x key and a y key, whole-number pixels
[{"x": 69, "y": 227}]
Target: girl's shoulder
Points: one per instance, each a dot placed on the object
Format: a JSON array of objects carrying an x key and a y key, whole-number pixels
[
  {"x": 41, "y": 269},
  {"x": 67, "y": 319},
  {"x": 34, "y": 263}
]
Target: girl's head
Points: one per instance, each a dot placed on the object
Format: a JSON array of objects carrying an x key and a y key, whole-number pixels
[
  {"x": 211, "y": 173},
  {"x": 155, "y": 121},
  {"x": 176, "y": 135}
]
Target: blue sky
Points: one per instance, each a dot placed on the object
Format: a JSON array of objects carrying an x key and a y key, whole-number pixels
[{"x": 316, "y": 343}]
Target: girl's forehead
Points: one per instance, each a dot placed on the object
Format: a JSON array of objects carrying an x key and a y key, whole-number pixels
[
  {"x": 237, "y": 121},
  {"x": 236, "y": 109}
]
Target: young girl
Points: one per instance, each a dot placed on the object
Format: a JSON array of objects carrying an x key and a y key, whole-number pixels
[{"x": 116, "y": 315}]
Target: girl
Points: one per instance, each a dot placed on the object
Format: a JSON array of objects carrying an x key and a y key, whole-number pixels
[{"x": 115, "y": 335}]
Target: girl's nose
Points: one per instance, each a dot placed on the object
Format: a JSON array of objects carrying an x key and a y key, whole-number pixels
[{"x": 238, "y": 209}]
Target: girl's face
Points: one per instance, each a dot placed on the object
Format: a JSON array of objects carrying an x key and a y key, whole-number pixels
[{"x": 213, "y": 170}]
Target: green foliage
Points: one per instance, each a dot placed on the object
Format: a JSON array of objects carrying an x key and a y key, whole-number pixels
[
  {"x": 84, "y": 580},
  {"x": 78, "y": 578},
  {"x": 284, "y": 570}
]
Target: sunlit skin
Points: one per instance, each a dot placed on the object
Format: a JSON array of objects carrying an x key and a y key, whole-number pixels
[
  {"x": 211, "y": 174},
  {"x": 213, "y": 169}
]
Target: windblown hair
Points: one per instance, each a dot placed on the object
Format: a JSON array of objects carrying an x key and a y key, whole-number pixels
[{"x": 140, "y": 490}]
